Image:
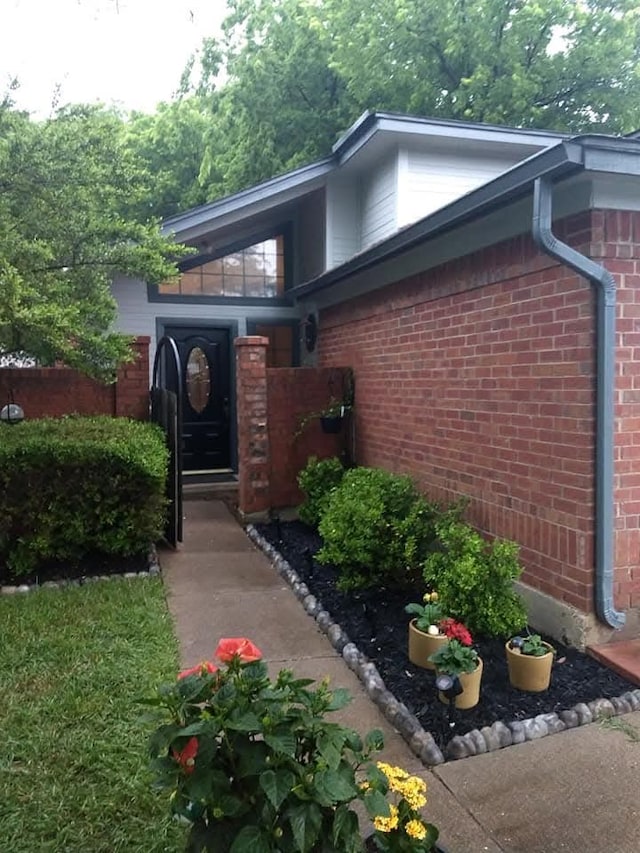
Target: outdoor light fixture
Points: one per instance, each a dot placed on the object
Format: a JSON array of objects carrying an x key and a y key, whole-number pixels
[
  {"x": 449, "y": 686},
  {"x": 12, "y": 413}
]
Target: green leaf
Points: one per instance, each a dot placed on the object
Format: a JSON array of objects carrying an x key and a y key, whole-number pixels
[
  {"x": 346, "y": 830},
  {"x": 282, "y": 742},
  {"x": 251, "y": 839},
  {"x": 246, "y": 722},
  {"x": 306, "y": 821},
  {"x": 340, "y": 698},
  {"x": 335, "y": 786},
  {"x": 374, "y": 740},
  {"x": 376, "y": 804},
  {"x": 277, "y": 785}
]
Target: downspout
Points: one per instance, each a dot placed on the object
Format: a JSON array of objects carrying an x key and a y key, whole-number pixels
[{"x": 605, "y": 381}]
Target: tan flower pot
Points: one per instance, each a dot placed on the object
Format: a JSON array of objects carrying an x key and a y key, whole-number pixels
[
  {"x": 527, "y": 672},
  {"x": 421, "y": 645},
  {"x": 470, "y": 695}
]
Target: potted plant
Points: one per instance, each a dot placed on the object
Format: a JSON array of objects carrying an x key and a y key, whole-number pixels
[
  {"x": 529, "y": 660},
  {"x": 332, "y": 416},
  {"x": 425, "y": 634},
  {"x": 252, "y": 764},
  {"x": 458, "y": 659}
]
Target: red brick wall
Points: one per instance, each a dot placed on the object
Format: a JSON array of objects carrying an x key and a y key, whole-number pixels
[
  {"x": 56, "y": 391},
  {"x": 478, "y": 379},
  {"x": 616, "y": 244},
  {"x": 270, "y": 403},
  {"x": 292, "y": 394}
]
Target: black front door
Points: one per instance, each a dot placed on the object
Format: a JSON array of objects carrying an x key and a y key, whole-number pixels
[{"x": 205, "y": 374}]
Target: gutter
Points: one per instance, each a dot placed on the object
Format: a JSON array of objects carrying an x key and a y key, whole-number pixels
[{"x": 605, "y": 286}]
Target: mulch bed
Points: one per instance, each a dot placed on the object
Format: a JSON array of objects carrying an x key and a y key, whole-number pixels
[
  {"x": 91, "y": 565},
  {"x": 375, "y": 621}
]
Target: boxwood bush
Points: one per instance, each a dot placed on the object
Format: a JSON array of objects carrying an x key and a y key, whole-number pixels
[
  {"x": 317, "y": 480},
  {"x": 474, "y": 579},
  {"x": 77, "y": 485},
  {"x": 376, "y": 528}
]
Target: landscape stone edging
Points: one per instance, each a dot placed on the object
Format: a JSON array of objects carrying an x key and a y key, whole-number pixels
[
  {"x": 153, "y": 570},
  {"x": 420, "y": 741}
]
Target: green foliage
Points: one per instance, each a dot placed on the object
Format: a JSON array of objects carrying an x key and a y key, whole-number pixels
[
  {"x": 288, "y": 77},
  {"x": 533, "y": 645},
  {"x": 454, "y": 658},
  {"x": 317, "y": 480},
  {"x": 428, "y": 613},
  {"x": 69, "y": 187},
  {"x": 376, "y": 528},
  {"x": 475, "y": 579},
  {"x": 73, "y": 486},
  {"x": 254, "y": 765}
]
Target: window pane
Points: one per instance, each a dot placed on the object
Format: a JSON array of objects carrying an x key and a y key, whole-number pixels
[{"x": 256, "y": 271}]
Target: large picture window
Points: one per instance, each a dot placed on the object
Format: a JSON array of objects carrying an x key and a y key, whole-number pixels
[{"x": 256, "y": 271}]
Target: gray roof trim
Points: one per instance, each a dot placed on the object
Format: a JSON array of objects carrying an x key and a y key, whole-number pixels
[
  {"x": 369, "y": 123},
  {"x": 236, "y": 202},
  {"x": 349, "y": 144},
  {"x": 591, "y": 152},
  {"x": 560, "y": 161}
]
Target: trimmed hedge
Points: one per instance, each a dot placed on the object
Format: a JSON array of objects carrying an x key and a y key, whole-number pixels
[
  {"x": 376, "y": 528},
  {"x": 317, "y": 480},
  {"x": 77, "y": 485}
]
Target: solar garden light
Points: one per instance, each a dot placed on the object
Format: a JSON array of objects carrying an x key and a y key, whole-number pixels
[
  {"x": 450, "y": 687},
  {"x": 12, "y": 413}
]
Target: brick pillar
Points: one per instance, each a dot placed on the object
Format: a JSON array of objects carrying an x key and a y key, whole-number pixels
[
  {"x": 132, "y": 388},
  {"x": 253, "y": 435}
]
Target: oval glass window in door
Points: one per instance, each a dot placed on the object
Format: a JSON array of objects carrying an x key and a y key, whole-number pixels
[{"x": 198, "y": 380}]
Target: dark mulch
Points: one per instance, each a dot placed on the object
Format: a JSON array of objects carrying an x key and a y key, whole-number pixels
[
  {"x": 376, "y": 622},
  {"x": 89, "y": 566}
]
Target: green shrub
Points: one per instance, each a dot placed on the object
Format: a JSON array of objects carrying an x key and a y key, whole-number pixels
[
  {"x": 474, "y": 579},
  {"x": 376, "y": 528},
  {"x": 317, "y": 480},
  {"x": 78, "y": 485}
]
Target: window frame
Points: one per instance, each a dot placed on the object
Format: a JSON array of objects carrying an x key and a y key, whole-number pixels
[
  {"x": 254, "y": 322},
  {"x": 284, "y": 230}
]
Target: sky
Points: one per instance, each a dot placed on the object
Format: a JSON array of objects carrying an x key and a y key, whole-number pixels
[{"x": 129, "y": 52}]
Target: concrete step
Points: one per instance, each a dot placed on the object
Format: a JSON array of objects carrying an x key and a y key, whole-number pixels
[{"x": 622, "y": 656}]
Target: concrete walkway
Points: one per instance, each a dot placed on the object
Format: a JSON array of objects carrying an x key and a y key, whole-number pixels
[{"x": 573, "y": 792}]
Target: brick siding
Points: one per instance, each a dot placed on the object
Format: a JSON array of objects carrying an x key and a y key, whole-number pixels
[
  {"x": 57, "y": 391},
  {"x": 478, "y": 378}
]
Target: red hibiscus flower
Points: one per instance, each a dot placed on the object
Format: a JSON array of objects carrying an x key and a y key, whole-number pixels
[
  {"x": 456, "y": 631},
  {"x": 186, "y": 757},
  {"x": 203, "y": 668},
  {"x": 229, "y": 647}
]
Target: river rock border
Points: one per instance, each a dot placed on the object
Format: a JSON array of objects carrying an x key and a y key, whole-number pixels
[
  {"x": 420, "y": 741},
  {"x": 153, "y": 570}
]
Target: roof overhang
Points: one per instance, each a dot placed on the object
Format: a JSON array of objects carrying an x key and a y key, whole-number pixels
[{"x": 597, "y": 154}]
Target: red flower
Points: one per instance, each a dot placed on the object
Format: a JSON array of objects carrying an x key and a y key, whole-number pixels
[
  {"x": 203, "y": 668},
  {"x": 186, "y": 757},
  {"x": 456, "y": 631},
  {"x": 229, "y": 647}
]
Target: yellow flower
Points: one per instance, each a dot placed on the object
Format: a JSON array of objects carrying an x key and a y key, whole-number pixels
[
  {"x": 364, "y": 786},
  {"x": 386, "y": 824},
  {"x": 426, "y": 597},
  {"x": 392, "y": 772},
  {"x": 415, "y": 829},
  {"x": 434, "y": 596}
]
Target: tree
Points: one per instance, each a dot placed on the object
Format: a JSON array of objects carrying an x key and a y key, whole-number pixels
[
  {"x": 288, "y": 76},
  {"x": 171, "y": 145},
  {"x": 558, "y": 64},
  {"x": 68, "y": 189}
]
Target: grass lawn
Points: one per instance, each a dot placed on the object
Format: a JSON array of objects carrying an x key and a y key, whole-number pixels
[{"x": 73, "y": 760}]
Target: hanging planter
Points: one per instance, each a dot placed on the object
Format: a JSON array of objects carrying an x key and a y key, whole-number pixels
[{"x": 331, "y": 424}]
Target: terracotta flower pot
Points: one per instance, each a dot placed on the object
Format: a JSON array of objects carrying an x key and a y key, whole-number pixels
[
  {"x": 528, "y": 672},
  {"x": 470, "y": 695},
  {"x": 421, "y": 645}
]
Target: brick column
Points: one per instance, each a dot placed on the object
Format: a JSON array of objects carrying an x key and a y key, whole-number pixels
[
  {"x": 253, "y": 435},
  {"x": 132, "y": 387}
]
